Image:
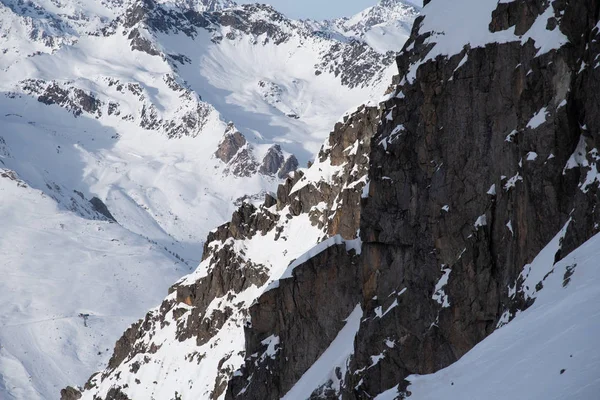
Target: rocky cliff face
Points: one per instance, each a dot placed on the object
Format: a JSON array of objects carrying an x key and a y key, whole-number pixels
[
  {"x": 482, "y": 158},
  {"x": 474, "y": 174},
  {"x": 426, "y": 222}
]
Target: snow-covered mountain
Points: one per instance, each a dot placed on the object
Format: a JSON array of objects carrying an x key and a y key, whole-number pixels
[
  {"x": 443, "y": 243},
  {"x": 130, "y": 129},
  {"x": 382, "y": 25}
]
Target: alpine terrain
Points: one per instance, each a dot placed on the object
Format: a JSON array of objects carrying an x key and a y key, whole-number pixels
[{"x": 441, "y": 242}]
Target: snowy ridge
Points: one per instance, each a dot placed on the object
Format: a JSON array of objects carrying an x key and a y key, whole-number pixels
[{"x": 198, "y": 330}]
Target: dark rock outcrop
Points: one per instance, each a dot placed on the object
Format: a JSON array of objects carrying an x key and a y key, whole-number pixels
[
  {"x": 272, "y": 161},
  {"x": 140, "y": 43},
  {"x": 232, "y": 142},
  {"x": 70, "y": 393},
  {"x": 101, "y": 208},
  {"x": 74, "y": 100},
  {"x": 290, "y": 165},
  {"x": 328, "y": 286}
]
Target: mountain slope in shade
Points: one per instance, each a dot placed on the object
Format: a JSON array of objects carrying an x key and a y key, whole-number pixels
[{"x": 58, "y": 266}]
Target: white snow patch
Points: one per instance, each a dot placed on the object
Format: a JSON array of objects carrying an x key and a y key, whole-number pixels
[
  {"x": 439, "y": 294},
  {"x": 512, "y": 182},
  {"x": 376, "y": 359},
  {"x": 510, "y": 227},
  {"x": 511, "y": 136},
  {"x": 365, "y": 191},
  {"x": 538, "y": 118},
  {"x": 379, "y": 313},
  {"x": 481, "y": 221},
  {"x": 272, "y": 343}
]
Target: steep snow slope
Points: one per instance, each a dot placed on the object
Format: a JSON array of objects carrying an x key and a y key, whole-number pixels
[
  {"x": 114, "y": 110},
  {"x": 549, "y": 351}
]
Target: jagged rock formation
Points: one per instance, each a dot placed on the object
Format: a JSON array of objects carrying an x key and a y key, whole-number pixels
[
  {"x": 233, "y": 141},
  {"x": 276, "y": 163},
  {"x": 290, "y": 165},
  {"x": 272, "y": 161},
  {"x": 485, "y": 152},
  {"x": 206, "y": 311}
]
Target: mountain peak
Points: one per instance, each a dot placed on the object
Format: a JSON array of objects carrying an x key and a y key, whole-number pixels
[
  {"x": 385, "y": 11},
  {"x": 200, "y": 5}
]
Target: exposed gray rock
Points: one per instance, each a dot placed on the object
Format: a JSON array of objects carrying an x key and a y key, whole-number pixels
[
  {"x": 70, "y": 393},
  {"x": 101, "y": 208},
  {"x": 4, "y": 149},
  {"x": 272, "y": 161},
  {"x": 290, "y": 165},
  {"x": 231, "y": 144},
  {"x": 74, "y": 100},
  {"x": 244, "y": 163},
  {"x": 140, "y": 43}
]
